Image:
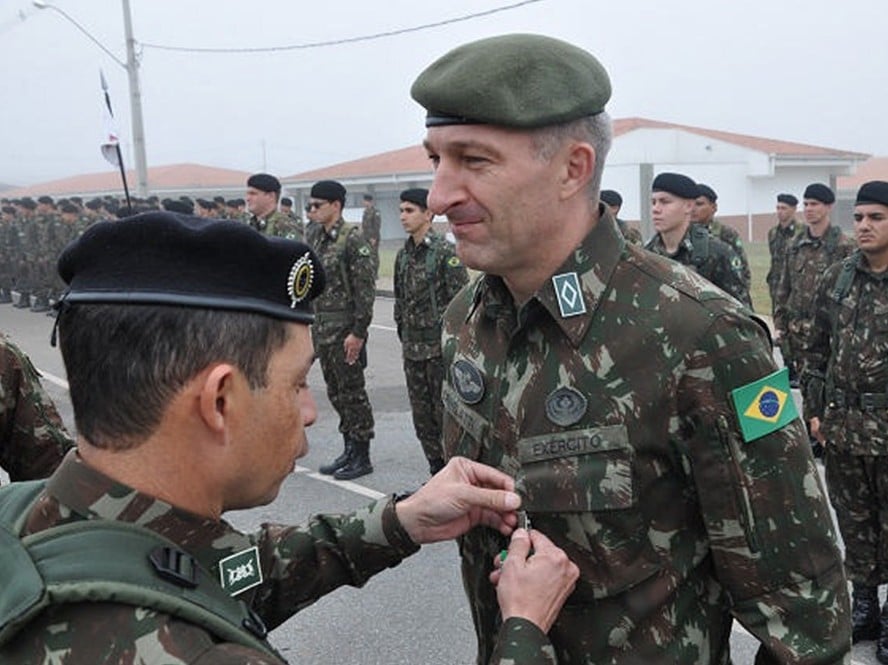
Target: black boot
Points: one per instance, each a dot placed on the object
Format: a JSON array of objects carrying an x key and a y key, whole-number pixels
[
  {"x": 5, "y": 296},
  {"x": 882, "y": 644},
  {"x": 865, "y": 614},
  {"x": 358, "y": 464},
  {"x": 339, "y": 462}
]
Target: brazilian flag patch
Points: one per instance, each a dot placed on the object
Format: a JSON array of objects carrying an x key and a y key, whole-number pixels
[{"x": 764, "y": 406}]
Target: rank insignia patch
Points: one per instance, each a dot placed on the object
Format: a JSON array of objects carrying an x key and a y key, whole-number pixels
[
  {"x": 565, "y": 406},
  {"x": 764, "y": 406},
  {"x": 240, "y": 571},
  {"x": 467, "y": 381},
  {"x": 569, "y": 294}
]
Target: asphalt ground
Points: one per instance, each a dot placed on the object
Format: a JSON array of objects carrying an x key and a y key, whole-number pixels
[{"x": 414, "y": 614}]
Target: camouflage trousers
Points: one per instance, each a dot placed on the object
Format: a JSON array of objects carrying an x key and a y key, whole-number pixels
[
  {"x": 346, "y": 391},
  {"x": 424, "y": 380},
  {"x": 858, "y": 489}
]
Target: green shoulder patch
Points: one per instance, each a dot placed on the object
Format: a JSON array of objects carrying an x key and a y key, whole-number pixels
[
  {"x": 454, "y": 262},
  {"x": 764, "y": 406}
]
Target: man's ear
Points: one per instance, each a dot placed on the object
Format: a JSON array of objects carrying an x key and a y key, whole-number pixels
[
  {"x": 579, "y": 166},
  {"x": 216, "y": 397}
]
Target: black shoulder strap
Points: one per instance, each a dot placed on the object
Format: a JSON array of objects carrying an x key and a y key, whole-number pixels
[
  {"x": 700, "y": 242},
  {"x": 49, "y": 568}
]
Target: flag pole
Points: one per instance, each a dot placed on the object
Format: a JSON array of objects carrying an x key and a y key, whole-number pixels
[{"x": 129, "y": 203}]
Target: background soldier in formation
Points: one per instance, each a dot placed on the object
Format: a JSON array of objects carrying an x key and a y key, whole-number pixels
[
  {"x": 210, "y": 416},
  {"x": 672, "y": 203},
  {"x": 33, "y": 439},
  {"x": 703, "y": 213},
  {"x": 614, "y": 201},
  {"x": 619, "y": 388},
  {"x": 263, "y": 192},
  {"x": 342, "y": 320},
  {"x": 845, "y": 361},
  {"x": 780, "y": 237},
  {"x": 428, "y": 274},
  {"x": 808, "y": 256},
  {"x": 371, "y": 227}
]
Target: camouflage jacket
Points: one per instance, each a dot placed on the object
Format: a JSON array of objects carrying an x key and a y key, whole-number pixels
[
  {"x": 277, "y": 224},
  {"x": 427, "y": 276},
  {"x": 371, "y": 225},
  {"x": 806, "y": 260},
  {"x": 631, "y": 234},
  {"x": 710, "y": 257},
  {"x": 33, "y": 439},
  {"x": 779, "y": 240},
  {"x": 346, "y": 305},
  {"x": 606, "y": 396},
  {"x": 730, "y": 236},
  {"x": 298, "y": 565},
  {"x": 845, "y": 359}
]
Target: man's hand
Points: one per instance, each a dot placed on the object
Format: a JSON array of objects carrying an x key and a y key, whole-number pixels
[
  {"x": 534, "y": 586},
  {"x": 461, "y": 495},
  {"x": 814, "y": 425},
  {"x": 352, "y": 347}
]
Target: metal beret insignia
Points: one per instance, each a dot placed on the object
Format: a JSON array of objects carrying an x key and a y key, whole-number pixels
[
  {"x": 565, "y": 406},
  {"x": 468, "y": 382},
  {"x": 453, "y": 261},
  {"x": 300, "y": 280},
  {"x": 364, "y": 251}
]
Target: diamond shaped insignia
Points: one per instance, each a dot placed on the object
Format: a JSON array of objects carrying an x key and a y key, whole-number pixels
[{"x": 569, "y": 294}]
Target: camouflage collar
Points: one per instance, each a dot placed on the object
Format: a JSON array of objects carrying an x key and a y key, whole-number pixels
[{"x": 93, "y": 495}]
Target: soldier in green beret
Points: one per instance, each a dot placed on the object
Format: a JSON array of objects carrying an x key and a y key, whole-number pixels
[{"x": 650, "y": 433}]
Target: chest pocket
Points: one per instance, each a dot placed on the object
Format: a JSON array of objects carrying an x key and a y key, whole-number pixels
[{"x": 587, "y": 470}]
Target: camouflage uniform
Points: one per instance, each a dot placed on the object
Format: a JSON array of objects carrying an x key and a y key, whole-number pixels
[
  {"x": 729, "y": 236},
  {"x": 806, "y": 260},
  {"x": 779, "y": 240},
  {"x": 616, "y": 422},
  {"x": 717, "y": 262},
  {"x": 427, "y": 276},
  {"x": 277, "y": 224},
  {"x": 371, "y": 228},
  {"x": 845, "y": 374},
  {"x": 631, "y": 234},
  {"x": 345, "y": 306},
  {"x": 33, "y": 439}
]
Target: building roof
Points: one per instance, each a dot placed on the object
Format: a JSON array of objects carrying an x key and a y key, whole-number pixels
[
  {"x": 875, "y": 168},
  {"x": 172, "y": 178}
]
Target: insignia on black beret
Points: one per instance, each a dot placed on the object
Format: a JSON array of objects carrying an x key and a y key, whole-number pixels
[
  {"x": 611, "y": 197},
  {"x": 328, "y": 190},
  {"x": 264, "y": 182},
  {"x": 675, "y": 183},
  {"x": 874, "y": 191},
  {"x": 788, "y": 199},
  {"x": 706, "y": 191},
  {"x": 163, "y": 258},
  {"x": 819, "y": 192},
  {"x": 417, "y": 195},
  {"x": 518, "y": 80}
]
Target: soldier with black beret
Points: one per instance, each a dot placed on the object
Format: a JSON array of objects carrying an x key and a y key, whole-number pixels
[
  {"x": 705, "y": 207},
  {"x": 844, "y": 361},
  {"x": 371, "y": 226},
  {"x": 673, "y": 199},
  {"x": 614, "y": 201},
  {"x": 263, "y": 192},
  {"x": 340, "y": 334},
  {"x": 780, "y": 237},
  {"x": 187, "y": 347},
  {"x": 638, "y": 406},
  {"x": 812, "y": 251},
  {"x": 427, "y": 276}
]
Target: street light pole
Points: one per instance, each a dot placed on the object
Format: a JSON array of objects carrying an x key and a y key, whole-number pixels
[{"x": 132, "y": 69}]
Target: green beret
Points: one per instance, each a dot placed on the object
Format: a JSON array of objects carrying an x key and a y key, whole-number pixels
[{"x": 522, "y": 81}]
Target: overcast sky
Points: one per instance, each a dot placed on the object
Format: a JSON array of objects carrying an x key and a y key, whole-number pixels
[{"x": 812, "y": 71}]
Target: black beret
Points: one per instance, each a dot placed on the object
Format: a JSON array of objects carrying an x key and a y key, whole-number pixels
[
  {"x": 788, "y": 199},
  {"x": 44, "y": 199},
  {"x": 94, "y": 204},
  {"x": 163, "y": 258},
  {"x": 707, "y": 191},
  {"x": 611, "y": 197},
  {"x": 417, "y": 195},
  {"x": 675, "y": 183},
  {"x": 329, "y": 190},
  {"x": 174, "y": 205},
  {"x": 874, "y": 191},
  {"x": 69, "y": 208},
  {"x": 368, "y": 197},
  {"x": 28, "y": 204},
  {"x": 264, "y": 182},
  {"x": 819, "y": 192},
  {"x": 286, "y": 201},
  {"x": 219, "y": 199},
  {"x": 517, "y": 80}
]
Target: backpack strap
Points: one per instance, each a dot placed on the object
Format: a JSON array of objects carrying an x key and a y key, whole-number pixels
[
  {"x": 50, "y": 569},
  {"x": 845, "y": 278},
  {"x": 700, "y": 242}
]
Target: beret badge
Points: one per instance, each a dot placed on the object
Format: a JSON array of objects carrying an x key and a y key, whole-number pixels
[{"x": 300, "y": 279}]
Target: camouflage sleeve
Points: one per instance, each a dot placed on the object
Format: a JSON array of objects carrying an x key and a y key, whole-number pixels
[
  {"x": 362, "y": 273},
  {"x": 814, "y": 349},
  {"x": 307, "y": 562},
  {"x": 731, "y": 270},
  {"x": 33, "y": 439},
  {"x": 521, "y": 642},
  {"x": 763, "y": 505},
  {"x": 781, "y": 296},
  {"x": 455, "y": 274},
  {"x": 398, "y": 287}
]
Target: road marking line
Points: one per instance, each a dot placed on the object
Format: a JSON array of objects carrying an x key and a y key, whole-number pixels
[
  {"x": 342, "y": 484},
  {"x": 61, "y": 383},
  {"x": 379, "y": 327}
]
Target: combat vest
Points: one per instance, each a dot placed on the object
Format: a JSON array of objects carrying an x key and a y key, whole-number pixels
[
  {"x": 431, "y": 269},
  {"x": 49, "y": 568}
]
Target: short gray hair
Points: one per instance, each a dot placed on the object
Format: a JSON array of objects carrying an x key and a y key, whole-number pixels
[{"x": 596, "y": 130}]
